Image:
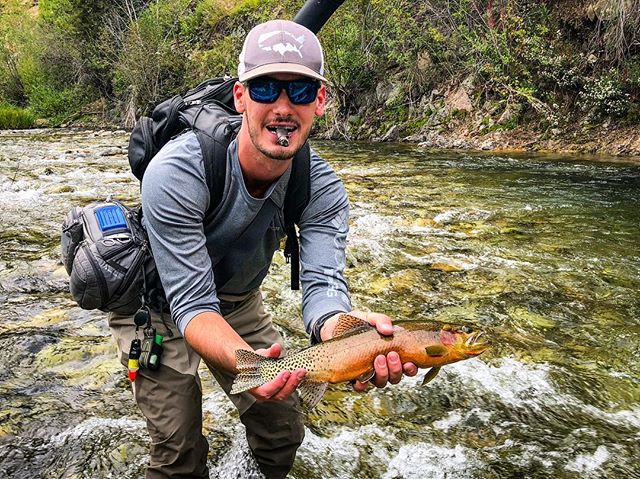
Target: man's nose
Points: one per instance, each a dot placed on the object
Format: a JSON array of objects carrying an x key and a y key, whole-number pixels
[{"x": 282, "y": 103}]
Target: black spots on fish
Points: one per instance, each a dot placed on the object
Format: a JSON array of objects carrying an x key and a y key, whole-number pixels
[{"x": 436, "y": 350}]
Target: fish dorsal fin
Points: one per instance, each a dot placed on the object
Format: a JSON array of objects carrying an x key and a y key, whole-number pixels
[
  {"x": 347, "y": 324},
  {"x": 432, "y": 373},
  {"x": 311, "y": 392}
]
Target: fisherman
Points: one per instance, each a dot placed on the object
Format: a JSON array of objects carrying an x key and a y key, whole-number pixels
[{"x": 281, "y": 89}]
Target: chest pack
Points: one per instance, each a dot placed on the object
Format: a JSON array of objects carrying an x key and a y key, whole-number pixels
[{"x": 105, "y": 249}]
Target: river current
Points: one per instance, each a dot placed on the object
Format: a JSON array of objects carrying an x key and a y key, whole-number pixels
[{"x": 542, "y": 252}]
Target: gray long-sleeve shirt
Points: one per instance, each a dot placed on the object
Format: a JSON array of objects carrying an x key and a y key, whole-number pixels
[{"x": 193, "y": 254}]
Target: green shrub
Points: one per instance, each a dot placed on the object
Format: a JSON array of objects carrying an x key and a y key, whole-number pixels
[
  {"x": 14, "y": 117},
  {"x": 152, "y": 62},
  {"x": 58, "y": 105}
]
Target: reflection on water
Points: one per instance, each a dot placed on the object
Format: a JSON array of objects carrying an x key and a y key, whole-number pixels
[{"x": 540, "y": 251}]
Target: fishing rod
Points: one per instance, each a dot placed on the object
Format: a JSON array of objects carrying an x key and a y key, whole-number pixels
[{"x": 315, "y": 13}]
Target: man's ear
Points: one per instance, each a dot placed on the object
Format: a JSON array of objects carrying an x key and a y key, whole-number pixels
[
  {"x": 321, "y": 100},
  {"x": 238, "y": 97}
]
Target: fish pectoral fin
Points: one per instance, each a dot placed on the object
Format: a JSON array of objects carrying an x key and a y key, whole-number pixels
[
  {"x": 366, "y": 376},
  {"x": 347, "y": 324},
  {"x": 436, "y": 350},
  {"x": 311, "y": 392},
  {"x": 432, "y": 373}
]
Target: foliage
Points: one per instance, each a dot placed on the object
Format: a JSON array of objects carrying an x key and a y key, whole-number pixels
[
  {"x": 13, "y": 117},
  {"x": 603, "y": 96},
  {"x": 551, "y": 60},
  {"x": 59, "y": 105},
  {"x": 152, "y": 57},
  {"x": 368, "y": 39},
  {"x": 16, "y": 46}
]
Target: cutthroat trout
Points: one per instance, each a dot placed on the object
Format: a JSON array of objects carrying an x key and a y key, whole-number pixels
[{"x": 350, "y": 354}]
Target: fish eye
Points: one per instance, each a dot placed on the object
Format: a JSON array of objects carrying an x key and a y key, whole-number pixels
[{"x": 467, "y": 330}]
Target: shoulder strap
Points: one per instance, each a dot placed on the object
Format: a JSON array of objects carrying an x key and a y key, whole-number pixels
[
  {"x": 295, "y": 201},
  {"x": 214, "y": 152}
]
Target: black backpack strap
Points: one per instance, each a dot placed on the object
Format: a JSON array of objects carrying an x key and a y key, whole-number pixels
[
  {"x": 214, "y": 151},
  {"x": 295, "y": 201}
]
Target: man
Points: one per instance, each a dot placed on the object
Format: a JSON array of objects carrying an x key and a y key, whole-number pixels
[{"x": 280, "y": 90}]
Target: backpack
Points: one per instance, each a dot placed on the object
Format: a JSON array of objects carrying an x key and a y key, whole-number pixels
[
  {"x": 105, "y": 249},
  {"x": 209, "y": 111}
]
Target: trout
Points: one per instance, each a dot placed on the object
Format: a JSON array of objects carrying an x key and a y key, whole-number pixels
[{"x": 350, "y": 354}]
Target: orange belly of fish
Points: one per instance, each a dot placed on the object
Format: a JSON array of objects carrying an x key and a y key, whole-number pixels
[{"x": 348, "y": 361}]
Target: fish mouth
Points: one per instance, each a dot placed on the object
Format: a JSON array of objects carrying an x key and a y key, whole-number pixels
[{"x": 476, "y": 343}]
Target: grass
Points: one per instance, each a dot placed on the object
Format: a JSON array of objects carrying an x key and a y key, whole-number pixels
[{"x": 14, "y": 117}]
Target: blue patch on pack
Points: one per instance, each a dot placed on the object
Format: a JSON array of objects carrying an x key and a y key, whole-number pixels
[{"x": 110, "y": 217}]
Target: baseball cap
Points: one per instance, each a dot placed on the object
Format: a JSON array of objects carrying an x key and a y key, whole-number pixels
[{"x": 281, "y": 46}]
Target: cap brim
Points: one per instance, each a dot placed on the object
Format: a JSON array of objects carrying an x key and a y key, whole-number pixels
[{"x": 280, "y": 68}]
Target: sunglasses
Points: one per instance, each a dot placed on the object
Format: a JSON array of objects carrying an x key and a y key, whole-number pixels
[{"x": 267, "y": 90}]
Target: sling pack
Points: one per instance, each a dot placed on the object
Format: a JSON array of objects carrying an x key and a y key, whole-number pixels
[
  {"x": 105, "y": 252},
  {"x": 209, "y": 111}
]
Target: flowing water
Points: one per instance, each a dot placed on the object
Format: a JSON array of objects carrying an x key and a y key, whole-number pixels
[{"x": 542, "y": 252}]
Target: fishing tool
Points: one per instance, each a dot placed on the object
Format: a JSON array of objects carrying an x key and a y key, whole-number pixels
[
  {"x": 134, "y": 359},
  {"x": 151, "y": 348},
  {"x": 141, "y": 318},
  {"x": 283, "y": 136}
]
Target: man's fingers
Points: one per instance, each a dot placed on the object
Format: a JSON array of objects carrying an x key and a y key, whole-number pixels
[
  {"x": 284, "y": 384},
  {"x": 360, "y": 386},
  {"x": 388, "y": 369},
  {"x": 395, "y": 367},
  {"x": 410, "y": 369},
  {"x": 382, "y": 322},
  {"x": 292, "y": 383},
  {"x": 273, "y": 351},
  {"x": 382, "y": 372},
  {"x": 270, "y": 389}
]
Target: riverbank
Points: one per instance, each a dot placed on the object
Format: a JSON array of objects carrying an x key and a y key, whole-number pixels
[{"x": 599, "y": 141}]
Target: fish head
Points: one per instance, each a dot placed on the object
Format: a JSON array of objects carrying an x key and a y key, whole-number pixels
[{"x": 464, "y": 340}]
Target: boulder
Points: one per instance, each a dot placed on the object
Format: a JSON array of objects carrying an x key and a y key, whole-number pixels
[{"x": 459, "y": 100}]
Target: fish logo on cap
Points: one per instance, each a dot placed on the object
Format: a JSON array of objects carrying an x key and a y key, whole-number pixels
[{"x": 281, "y": 47}]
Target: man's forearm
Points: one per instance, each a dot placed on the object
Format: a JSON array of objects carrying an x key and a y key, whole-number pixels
[{"x": 214, "y": 340}]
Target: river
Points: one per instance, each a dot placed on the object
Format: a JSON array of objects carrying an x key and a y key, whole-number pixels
[{"x": 542, "y": 252}]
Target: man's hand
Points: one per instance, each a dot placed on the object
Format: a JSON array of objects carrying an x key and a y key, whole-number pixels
[
  {"x": 283, "y": 385},
  {"x": 388, "y": 369}
]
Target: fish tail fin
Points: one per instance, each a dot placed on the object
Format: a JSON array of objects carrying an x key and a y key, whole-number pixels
[{"x": 249, "y": 375}]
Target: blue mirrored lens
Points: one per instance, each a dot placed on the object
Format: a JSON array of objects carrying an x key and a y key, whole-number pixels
[
  {"x": 267, "y": 90},
  {"x": 302, "y": 92},
  {"x": 264, "y": 91}
]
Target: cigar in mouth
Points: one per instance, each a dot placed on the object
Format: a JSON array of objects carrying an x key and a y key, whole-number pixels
[{"x": 283, "y": 136}]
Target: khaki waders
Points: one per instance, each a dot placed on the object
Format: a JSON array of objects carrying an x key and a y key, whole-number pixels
[{"x": 170, "y": 398}]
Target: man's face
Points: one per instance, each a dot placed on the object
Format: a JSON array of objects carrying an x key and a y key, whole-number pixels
[{"x": 262, "y": 119}]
